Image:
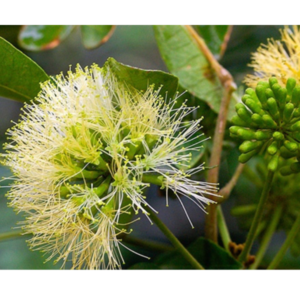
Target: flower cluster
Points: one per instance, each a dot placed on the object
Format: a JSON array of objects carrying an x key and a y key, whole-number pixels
[
  {"x": 269, "y": 119},
  {"x": 82, "y": 156},
  {"x": 278, "y": 58}
]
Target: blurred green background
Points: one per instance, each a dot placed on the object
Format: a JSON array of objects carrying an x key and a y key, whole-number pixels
[{"x": 135, "y": 46}]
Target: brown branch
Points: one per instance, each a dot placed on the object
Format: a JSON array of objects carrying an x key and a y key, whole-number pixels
[
  {"x": 229, "y": 86},
  {"x": 226, "y": 40},
  {"x": 211, "y": 230},
  {"x": 223, "y": 75},
  {"x": 226, "y": 190}
]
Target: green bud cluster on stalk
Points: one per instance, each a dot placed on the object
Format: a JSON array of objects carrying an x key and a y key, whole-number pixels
[{"x": 268, "y": 121}]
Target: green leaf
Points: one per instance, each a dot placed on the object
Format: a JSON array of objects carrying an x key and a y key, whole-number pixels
[
  {"x": 186, "y": 61},
  {"x": 95, "y": 35},
  {"x": 144, "y": 266},
  {"x": 215, "y": 37},
  {"x": 140, "y": 79},
  {"x": 209, "y": 255},
  {"x": 20, "y": 76},
  {"x": 43, "y": 37}
]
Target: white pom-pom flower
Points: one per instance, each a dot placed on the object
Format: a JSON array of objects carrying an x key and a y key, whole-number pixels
[{"x": 82, "y": 156}]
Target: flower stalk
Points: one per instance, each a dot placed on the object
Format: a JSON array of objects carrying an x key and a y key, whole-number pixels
[
  {"x": 289, "y": 239},
  {"x": 173, "y": 239},
  {"x": 224, "y": 233},
  {"x": 267, "y": 236},
  {"x": 11, "y": 235},
  {"x": 257, "y": 218},
  {"x": 229, "y": 86}
]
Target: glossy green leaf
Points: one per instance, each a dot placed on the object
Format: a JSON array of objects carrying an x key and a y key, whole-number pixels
[
  {"x": 20, "y": 76},
  {"x": 43, "y": 37},
  {"x": 209, "y": 255},
  {"x": 140, "y": 79},
  {"x": 95, "y": 35},
  {"x": 185, "y": 60},
  {"x": 215, "y": 37},
  {"x": 145, "y": 266}
]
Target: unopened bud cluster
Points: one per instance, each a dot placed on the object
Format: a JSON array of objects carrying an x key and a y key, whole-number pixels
[{"x": 269, "y": 120}]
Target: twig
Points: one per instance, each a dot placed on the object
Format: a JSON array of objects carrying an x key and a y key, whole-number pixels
[
  {"x": 226, "y": 190},
  {"x": 226, "y": 40},
  {"x": 226, "y": 80},
  {"x": 213, "y": 174},
  {"x": 222, "y": 73}
]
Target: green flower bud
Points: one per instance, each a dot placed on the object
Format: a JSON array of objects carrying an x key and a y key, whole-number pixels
[
  {"x": 285, "y": 153},
  {"x": 261, "y": 94},
  {"x": 264, "y": 84},
  {"x": 273, "y": 108},
  {"x": 269, "y": 93},
  {"x": 238, "y": 106},
  {"x": 246, "y": 134},
  {"x": 273, "y": 148},
  {"x": 291, "y": 146},
  {"x": 281, "y": 97},
  {"x": 255, "y": 107},
  {"x": 236, "y": 120},
  {"x": 245, "y": 115},
  {"x": 247, "y": 146},
  {"x": 234, "y": 129},
  {"x": 290, "y": 85},
  {"x": 257, "y": 119},
  {"x": 262, "y": 135},
  {"x": 278, "y": 136},
  {"x": 273, "y": 125},
  {"x": 243, "y": 158},
  {"x": 276, "y": 88},
  {"x": 269, "y": 122},
  {"x": 296, "y": 126},
  {"x": 273, "y": 164},
  {"x": 252, "y": 93},
  {"x": 288, "y": 112},
  {"x": 245, "y": 97},
  {"x": 296, "y": 96},
  {"x": 273, "y": 81}
]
